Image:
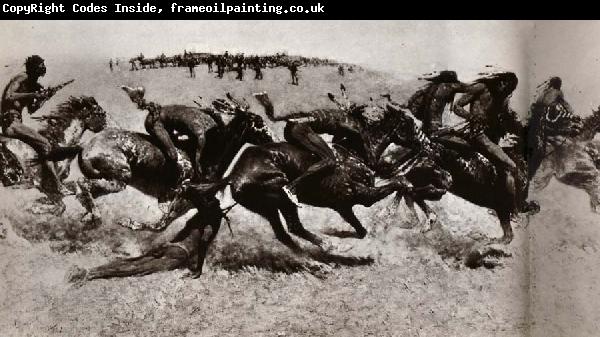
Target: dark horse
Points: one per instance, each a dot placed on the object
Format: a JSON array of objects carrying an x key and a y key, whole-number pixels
[
  {"x": 116, "y": 158},
  {"x": 258, "y": 175},
  {"x": 474, "y": 177}
]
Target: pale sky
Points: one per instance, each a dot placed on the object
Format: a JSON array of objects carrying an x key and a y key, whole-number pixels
[{"x": 533, "y": 50}]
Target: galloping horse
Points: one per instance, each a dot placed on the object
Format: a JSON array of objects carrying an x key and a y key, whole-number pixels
[
  {"x": 116, "y": 158},
  {"x": 474, "y": 177},
  {"x": 260, "y": 172},
  {"x": 563, "y": 146}
]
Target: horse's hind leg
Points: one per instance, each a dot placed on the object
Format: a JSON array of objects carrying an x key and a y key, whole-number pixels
[
  {"x": 93, "y": 188},
  {"x": 349, "y": 216},
  {"x": 273, "y": 217},
  {"x": 504, "y": 217},
  {"x": 593, "y": 190},
  {"x": 290, "y": 214},
  {"x": 432, "y": 218}
]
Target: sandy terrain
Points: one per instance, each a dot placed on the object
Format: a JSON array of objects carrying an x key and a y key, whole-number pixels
[{"x": 396, "y": 282}]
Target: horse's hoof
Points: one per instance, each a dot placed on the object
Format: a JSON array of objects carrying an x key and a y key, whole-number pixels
[
  {"x": 192, "y": 274},
  {"x": 318, "y": 269},
  {"x": 92, "y": 223},
  {"x": 430, "y": 223},
  {"x": 426, "y": 228},
  {"x": 327, "y": 246},
  {"x": 505, "y": 240},
  {"x": 361, "y": 234}
]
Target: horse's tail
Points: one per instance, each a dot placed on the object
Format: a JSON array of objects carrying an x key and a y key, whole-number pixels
[{"x": 207, "y": 189}]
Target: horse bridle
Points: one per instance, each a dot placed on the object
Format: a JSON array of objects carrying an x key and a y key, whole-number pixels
[{"x": 564, "y": 113}]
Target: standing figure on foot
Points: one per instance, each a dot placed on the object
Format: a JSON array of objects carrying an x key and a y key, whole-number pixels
[{"x": 293, "y": 67}]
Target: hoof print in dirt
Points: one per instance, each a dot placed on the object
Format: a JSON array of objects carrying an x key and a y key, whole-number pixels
[
  {"x": 318, "y": 269},
  {"x": 488, "y": 256}
]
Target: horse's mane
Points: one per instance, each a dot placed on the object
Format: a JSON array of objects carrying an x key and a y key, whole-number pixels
[
  {"x": 591, "y": 125},
  {"x": 416, "y": 102},
  {"x": 60, "y": 119}
]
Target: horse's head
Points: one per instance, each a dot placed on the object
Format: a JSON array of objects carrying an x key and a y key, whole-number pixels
[
  {"x": 135, "y": 94},
  {"x": 90, "y": 113},
  {"x": 554, "y": 121},
  {"x": 84, "y": 109},
  {"x": 400, "y": 127},
  {"x": 247, "y": 126}
]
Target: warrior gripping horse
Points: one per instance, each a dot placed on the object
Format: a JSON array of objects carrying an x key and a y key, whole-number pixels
[
  {"x": 474, "y": 177},
  {"x": 303, "y": 129},
  {"x": 257, "y": 177}
]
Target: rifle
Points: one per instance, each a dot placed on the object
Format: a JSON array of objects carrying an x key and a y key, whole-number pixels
[{"x": 47, "y": 94}]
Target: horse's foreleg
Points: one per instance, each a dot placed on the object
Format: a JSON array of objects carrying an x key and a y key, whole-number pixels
[
  {"x": 369, "y": 195},
  {"x": 410, "y": 203},
  {"x": 273, "y": 217},
  {"x": 593, "y": 190},
  {"x": 209, "y": 233},
  {"x": 290, "y": 214},
  {"x": 543, "y": 176},
  {"x": 349, "y": 216},
  {"x": 432, "y": 217}
]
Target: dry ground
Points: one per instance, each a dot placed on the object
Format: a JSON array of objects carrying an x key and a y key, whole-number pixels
[{"x": 395, "y": 282}]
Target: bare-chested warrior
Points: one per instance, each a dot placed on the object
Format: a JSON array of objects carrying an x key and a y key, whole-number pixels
[
  {"x": 489, "y": 99},
  {"x": 428, "y": 103},
  {"x": 24, "y": 91},
  {"x": 303, "y": 129}
]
